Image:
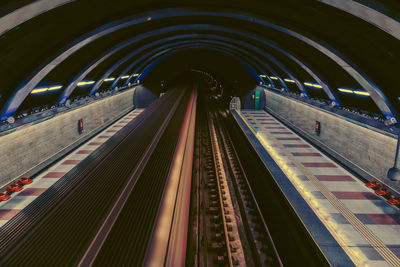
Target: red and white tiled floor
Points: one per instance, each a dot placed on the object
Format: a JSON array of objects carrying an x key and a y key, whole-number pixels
[
  {"x": 365, "y": 226},
  {"x": 41, "y": 182}
]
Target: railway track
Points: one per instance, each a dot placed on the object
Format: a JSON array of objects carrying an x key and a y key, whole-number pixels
[
  {"x": 229, "y": 228},
  {"x": 262, "y": 247},
  {"x": 234, "y": 248}
]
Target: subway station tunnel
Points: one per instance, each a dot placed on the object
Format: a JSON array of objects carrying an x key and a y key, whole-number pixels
[{"x": 199, "y": 133}]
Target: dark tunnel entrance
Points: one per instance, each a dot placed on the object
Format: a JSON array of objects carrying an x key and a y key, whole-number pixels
[{"x": 225, "y": 75}]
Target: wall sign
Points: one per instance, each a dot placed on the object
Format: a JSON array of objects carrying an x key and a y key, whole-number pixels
[
  {"x": 318, "y": 127},
  {"x": 80, "y": 126},
  {"x": 257, "y": 100}
]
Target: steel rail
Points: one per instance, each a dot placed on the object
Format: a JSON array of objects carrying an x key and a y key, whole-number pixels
[{"x": 234, "y": 160}]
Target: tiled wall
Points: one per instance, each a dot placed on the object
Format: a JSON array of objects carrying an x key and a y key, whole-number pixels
[
  {"x": 370, "y": 150},
  {"x": 28, "y": 147}
]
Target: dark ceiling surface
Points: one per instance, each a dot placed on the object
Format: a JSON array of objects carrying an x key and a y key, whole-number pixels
[
  {"x": 163, "y": 28},
  {"x": 199, "y": 59}
]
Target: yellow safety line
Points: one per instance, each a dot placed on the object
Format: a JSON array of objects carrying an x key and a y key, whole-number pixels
[
  {"x": 299, "y": 188},
  {"x": 379, "y": 246}
]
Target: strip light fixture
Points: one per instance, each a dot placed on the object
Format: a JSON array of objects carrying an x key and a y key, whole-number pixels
[
  {"x": 349, "y": 91},
  {"x": 54, "y": 88},
  {"x": 289, "y": 80},
  {"x": 85, "y": 83},
  {"x": 315, "y": 85},
  {"x": 45, "y": 89}
]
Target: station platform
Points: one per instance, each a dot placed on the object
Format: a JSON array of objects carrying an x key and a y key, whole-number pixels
[
  {"x": 47, "y": 178},
  {"x": 347, "y": 220}
]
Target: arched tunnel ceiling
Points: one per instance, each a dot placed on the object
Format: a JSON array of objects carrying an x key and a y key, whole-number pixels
[{"x": 301, "y": 40}]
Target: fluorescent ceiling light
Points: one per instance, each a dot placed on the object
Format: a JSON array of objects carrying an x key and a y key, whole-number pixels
[
  {"x": 125, "y": 77},
  {"x": 53, "y": 88},
  {"x": 39, "y": 90},
  {"x": 109, "y": 79},
  {"x": 315, "y": 85},
  {"x": 45, "y": 89},
  {"x": 289, "y": 80},
  {"x": 84, "y": 83},
  {"x": 263, "y": 76},
  {"x": 345, "y": 90},
  {"x": 135, "y": 75},
  {"x": 274, "y": 78},
  {"x": 361, "y": 93}
]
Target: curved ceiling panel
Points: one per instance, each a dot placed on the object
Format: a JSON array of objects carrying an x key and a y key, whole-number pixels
[
  {"x": 382, "y": 21},
  {"x": 298, "y": 41},
  {"x": 27, "y": 12}
]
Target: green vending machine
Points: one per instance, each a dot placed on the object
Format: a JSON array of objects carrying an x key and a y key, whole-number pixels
[{"x": 257, "y": 100}]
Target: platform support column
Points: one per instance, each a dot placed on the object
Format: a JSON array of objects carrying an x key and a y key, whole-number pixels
[{"x": 394, "y": 172}]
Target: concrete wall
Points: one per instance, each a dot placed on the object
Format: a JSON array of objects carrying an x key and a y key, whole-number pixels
[
  {"x": 370, "y": 150},
  {"x": 143, "y": 97},
  {"x": 27, "y": 149}
]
